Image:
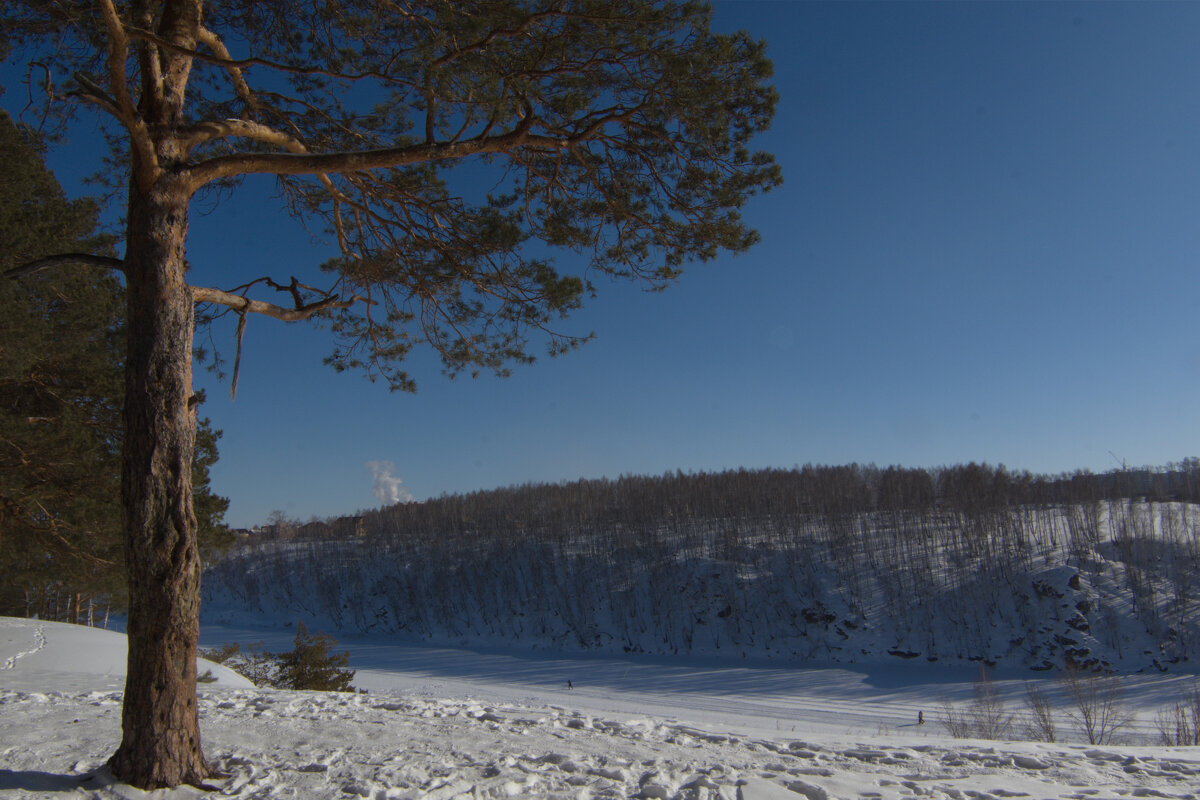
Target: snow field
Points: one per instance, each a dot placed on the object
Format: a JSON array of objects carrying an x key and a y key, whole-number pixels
[
  {"x": 312, "y": 745},
  {"x": 499, "y": 726}
]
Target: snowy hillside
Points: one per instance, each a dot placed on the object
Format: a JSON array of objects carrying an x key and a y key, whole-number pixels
[
  {"x": 1110, "y": 585},
  {"x": 73, "y": 655},
  {"x": 496, "y": 727}
]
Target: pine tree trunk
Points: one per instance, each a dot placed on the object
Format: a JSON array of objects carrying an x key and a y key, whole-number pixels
[{"x": 160, "y": 744}]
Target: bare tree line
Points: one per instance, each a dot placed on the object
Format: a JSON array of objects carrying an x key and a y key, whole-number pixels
[{"x": 967, "y": 562}]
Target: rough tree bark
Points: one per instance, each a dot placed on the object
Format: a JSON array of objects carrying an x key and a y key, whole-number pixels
[{"x": 160, "y": 723}]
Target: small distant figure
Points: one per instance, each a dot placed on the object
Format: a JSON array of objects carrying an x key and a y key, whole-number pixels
[
  {"x": 569, "y": 684},
  {"x": 920, "y": 717}
]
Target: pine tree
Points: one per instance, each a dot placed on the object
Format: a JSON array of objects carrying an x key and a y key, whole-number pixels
[
  {"x": 61, "y": 388},
  {"x": 60, "y": 380},
  {"x": 311, "y": 665},
  {"x": 617, "y": 131}
]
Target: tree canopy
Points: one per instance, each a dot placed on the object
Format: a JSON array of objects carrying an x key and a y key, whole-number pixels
[{"x": 614, "y": 129}]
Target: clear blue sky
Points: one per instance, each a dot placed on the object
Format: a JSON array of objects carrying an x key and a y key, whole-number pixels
[{"x": 985, "y": 249}]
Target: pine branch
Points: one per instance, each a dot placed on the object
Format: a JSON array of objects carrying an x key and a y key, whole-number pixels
[{"x": 62, "y": 259}]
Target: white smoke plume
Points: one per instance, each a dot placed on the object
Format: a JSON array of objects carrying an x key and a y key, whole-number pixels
[{"x": 388, "y": 489}]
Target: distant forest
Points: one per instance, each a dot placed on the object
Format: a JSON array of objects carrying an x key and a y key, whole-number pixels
[
  {"x": 853, "y": 563},
  {"x": 800, "y": 491}
]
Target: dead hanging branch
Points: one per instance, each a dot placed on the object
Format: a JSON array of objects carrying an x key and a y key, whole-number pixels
[{"x": 237, "y": 359}]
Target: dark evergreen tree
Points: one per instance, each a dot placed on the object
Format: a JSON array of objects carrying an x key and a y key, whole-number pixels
[
  {"x": 61, "y": 352},
  {"x": 60, "y": 393},
  {"x": 211, "y": 531},
  {"x": 313, "y": 665}
]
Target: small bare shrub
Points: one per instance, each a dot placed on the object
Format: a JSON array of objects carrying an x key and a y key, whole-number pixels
[
  {"x": 956, "y": 722},
  {"x": 991, "y": 720},
  {"x": 254, "y": 663},
  {"x": 984, "y": 718},
  {"x": 1040, "y": 726},
  {"x": 1180, "y": 724},
  {"x": 1098, "y": 708}
]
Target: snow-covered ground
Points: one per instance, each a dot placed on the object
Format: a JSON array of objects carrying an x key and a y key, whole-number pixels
[{"x": 444, "y": 723}]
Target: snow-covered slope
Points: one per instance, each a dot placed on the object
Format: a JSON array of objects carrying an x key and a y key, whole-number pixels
[
  {"x": 1112, "y": 586},
  {"x": 505, "y": 727},
  {"x": 35, "y": 654}
]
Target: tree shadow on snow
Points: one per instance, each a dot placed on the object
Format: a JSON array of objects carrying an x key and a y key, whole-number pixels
[
  {"x": 41, "y": 781},
  {"x": 46, "y": 783}
]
